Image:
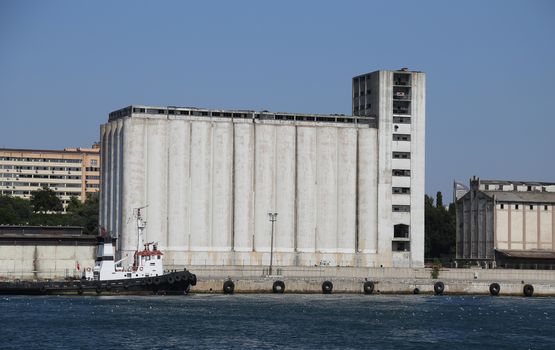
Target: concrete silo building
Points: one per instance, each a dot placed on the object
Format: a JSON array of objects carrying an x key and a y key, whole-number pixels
[{"x": 348, "y": 190}]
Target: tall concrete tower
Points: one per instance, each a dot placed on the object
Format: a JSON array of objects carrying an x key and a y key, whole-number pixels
[{"x": 397, "y": 100}]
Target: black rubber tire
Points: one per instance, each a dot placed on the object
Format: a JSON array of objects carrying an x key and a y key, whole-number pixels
[
  {"x": 528, "y": 290},
  {"x": 43, "y": 289},
  {"x": 157, "y": 281},
  {"x": 178, "y": 277},
  {"x": 327, "y": 287},
  {"x": 494, "y": 289},
  {"x": 171, "y": 280},
  {"x": 193, "y": 280},
  {"x": 149, "y": 281},
  {"x": 80, "y": 290},
  {"x": 416, "y": 291},
  {"x": 229, "y": 287},
  {"x": 368, "y": 287},
  {"x": 439, "y": 288},
  {"x": 278, "y": 287},
  {"x": 98, "y": 289}
]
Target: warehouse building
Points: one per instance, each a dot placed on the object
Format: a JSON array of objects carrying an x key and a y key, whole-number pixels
[
  {"x": 348, "y": 190},
  {"x": 507, "y": 224},
  {"x": 69, "y": 172}
]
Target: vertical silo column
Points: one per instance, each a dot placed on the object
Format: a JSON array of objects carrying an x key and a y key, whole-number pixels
[
  {"x": 103, "y": 181},
  {"x": 178, "y": 191},
  {"x": 134, "y": 172},
  {"x": 326, "y": 190},
  {"x": 112, "y": 174},
  {"x": 265, "y": 140},
  {"x": 346, "y": 189},
  {"x": 157, "y": 182},
  {"x": 243, "y": 186},
  {"x": 284, "y": 236},
  {"x": 106, "y": 164},
  {"x": 306, "y": 190},
  {"x": 222, "y": 187},
  {"x": 201, "y": 186},
  {"x": 118, "y": 136},
  {"x": 367, "y": 190}
]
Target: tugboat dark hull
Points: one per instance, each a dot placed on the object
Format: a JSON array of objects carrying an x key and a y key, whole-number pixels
[{"x": 171, "y": 283}]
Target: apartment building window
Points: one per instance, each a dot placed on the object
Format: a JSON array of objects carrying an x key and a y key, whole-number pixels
[{"x": 94, "y": 162}]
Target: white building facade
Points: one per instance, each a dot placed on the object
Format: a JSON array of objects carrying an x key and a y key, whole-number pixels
[
  {"x": 507, "y": 223},
  {"x": 348, "y": 190}
]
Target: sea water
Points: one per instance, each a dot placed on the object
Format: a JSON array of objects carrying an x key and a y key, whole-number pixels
[{"x": 284, "y": 321}]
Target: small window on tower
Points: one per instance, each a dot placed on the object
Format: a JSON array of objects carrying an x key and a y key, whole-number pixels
[{"x": 502, "y": 206}]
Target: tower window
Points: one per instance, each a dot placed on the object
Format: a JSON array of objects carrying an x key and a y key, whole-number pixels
[{"x": 401, "y": 137}]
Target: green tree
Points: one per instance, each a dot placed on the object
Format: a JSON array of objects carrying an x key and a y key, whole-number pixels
[
  {"x": 14, "y": 211},
  {"x": 74, "y": 205},
  {"x": 45, "y": 200},
  {"x": 440, "y": 230},
  {"x": 439, "y": 200},
  {"x": 84, "y": 214}
]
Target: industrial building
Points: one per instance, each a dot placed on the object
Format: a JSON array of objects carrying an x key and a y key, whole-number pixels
[
  {"x": 69, "y": 172},
  {"x": 507, "y": 224},
  {"x": 348, "y": 190}
]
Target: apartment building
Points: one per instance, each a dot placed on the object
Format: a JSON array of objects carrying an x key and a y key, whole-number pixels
[{"x": 69, "y": 172}]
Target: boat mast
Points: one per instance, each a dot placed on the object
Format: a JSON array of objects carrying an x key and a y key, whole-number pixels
[{"x": 140, "y": 228}]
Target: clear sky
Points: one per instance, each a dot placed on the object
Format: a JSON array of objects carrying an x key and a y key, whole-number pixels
[{"x": 64, "y": 65}]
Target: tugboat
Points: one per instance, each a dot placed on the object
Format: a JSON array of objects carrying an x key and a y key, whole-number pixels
[{"x": 145, "y": 276}]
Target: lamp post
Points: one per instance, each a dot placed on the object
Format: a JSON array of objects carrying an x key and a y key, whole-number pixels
[{"x": 273, "y": 218}]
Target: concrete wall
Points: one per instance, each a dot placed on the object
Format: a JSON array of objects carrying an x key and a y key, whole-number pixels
[
  {"x": 209, "y": 183},
  {"x": 39, "y": 261},
  {"x": 525, "y": 227}
]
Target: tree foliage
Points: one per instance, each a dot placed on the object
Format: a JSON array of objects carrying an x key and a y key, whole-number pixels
[
  {"x": 14, "y": 210},
  {"x": 440, "y": 227},
  {"x": 45, "y": 200},
  {"x": 18, "y": 211}
]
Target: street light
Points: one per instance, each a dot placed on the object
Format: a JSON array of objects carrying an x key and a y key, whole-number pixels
[{"x": 273, "y": 218}]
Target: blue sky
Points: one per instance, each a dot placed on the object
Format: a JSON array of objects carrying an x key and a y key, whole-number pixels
[{"x": 64, "y": 65}]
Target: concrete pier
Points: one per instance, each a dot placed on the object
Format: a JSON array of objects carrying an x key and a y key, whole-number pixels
[{"x": 386, "y": 280}]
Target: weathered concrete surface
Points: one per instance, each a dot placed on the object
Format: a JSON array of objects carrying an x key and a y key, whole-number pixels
[
  {"x": 383, "y": 286},
  {"x": 387, "y": 280},
  {"x": 30, "y": 262}
]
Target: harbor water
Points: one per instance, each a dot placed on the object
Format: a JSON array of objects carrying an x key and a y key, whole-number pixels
[{"x": 289, "y": 321}]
